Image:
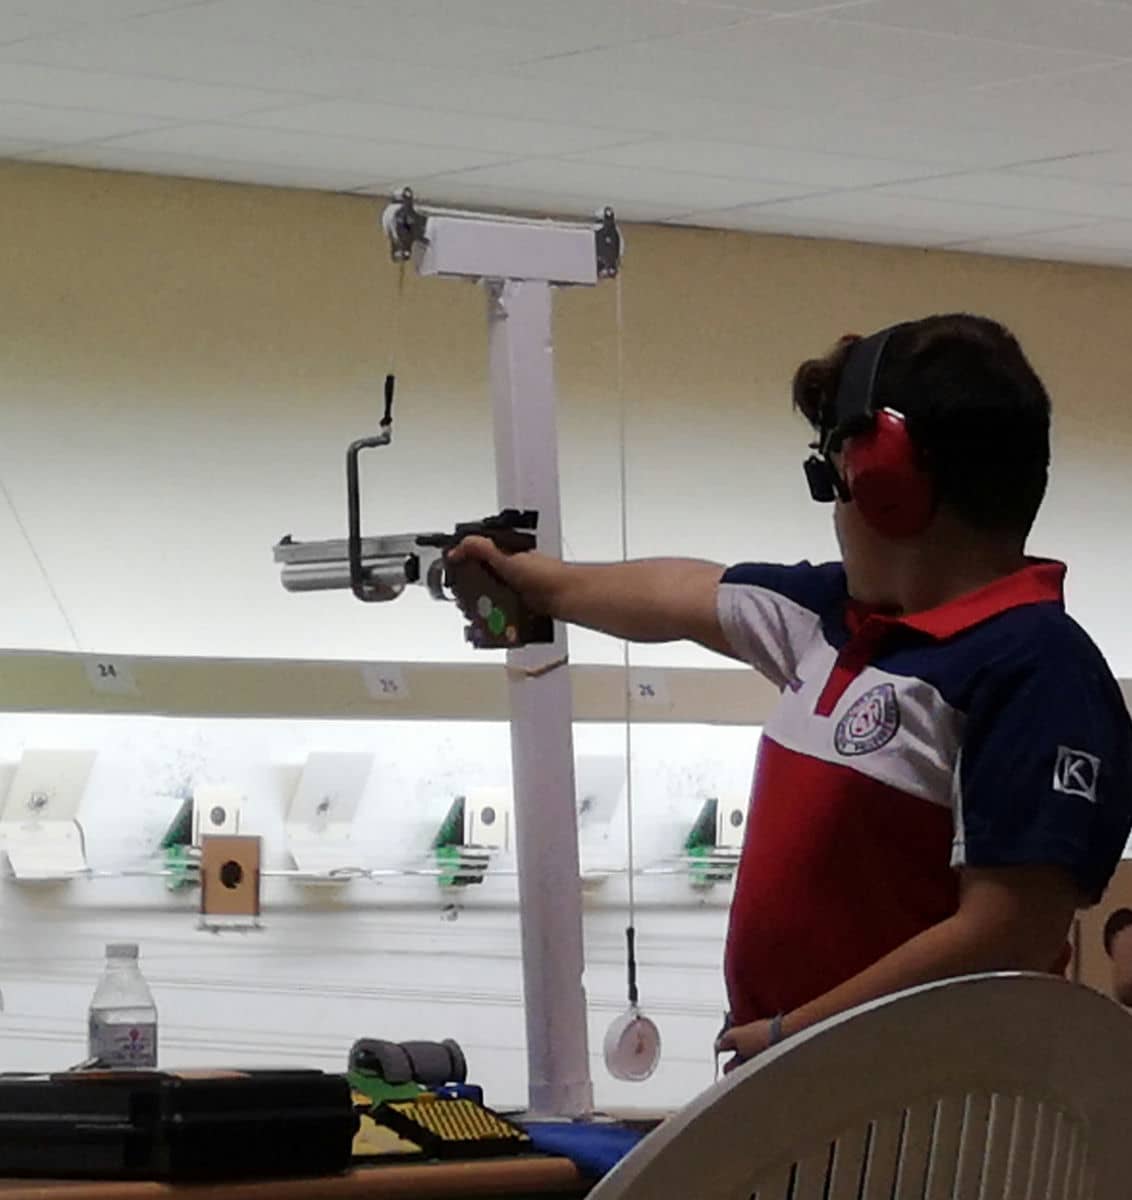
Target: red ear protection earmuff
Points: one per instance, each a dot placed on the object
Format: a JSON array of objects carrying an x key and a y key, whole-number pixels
[
  {"x": 885, "y": 480},
  {"x": 880, "y": 468}
]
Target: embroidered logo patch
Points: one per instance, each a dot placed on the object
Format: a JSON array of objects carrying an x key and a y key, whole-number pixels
[
  {"x": 1076, "y": 773},
  {"x": 871, "y": 723}
]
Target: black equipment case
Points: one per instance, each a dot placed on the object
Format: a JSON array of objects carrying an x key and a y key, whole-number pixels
[{"x": 176, "y": 1125}]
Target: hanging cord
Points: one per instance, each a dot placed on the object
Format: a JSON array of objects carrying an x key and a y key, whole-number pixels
[
  {"x": 56, "y": 598},
  {"x": 631, "y": 929},
  {"x": 623, "y": 423},
  {"x": 394, "y": 342}
]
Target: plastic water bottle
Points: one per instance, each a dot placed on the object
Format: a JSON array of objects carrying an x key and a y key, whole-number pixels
[{"x": 123, "y": 1017}]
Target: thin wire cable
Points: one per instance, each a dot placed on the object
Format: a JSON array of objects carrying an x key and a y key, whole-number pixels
[
  {"x": 395, "y": 324},
  {"x": 56, "y": 598},
  {"x": 630, "y": 825},
  {"x": 624, "y": 487}
]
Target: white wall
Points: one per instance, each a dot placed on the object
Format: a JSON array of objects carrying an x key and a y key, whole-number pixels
[
  {"x": 333, "y": 964},
  {"x": 182, "y": 365}
]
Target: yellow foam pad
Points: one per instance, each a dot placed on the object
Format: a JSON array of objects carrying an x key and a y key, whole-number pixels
[{"x": 457, "y": 1120}]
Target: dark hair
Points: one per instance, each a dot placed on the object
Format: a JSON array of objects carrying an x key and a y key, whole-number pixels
[
  {"x": 1118, "y": 920},
  {"x": 975, "y": 410}
]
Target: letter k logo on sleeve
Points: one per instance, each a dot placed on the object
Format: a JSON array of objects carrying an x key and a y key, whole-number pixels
[{"x": 1076, "y": 773}]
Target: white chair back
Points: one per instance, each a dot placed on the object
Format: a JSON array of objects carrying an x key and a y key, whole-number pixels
[{"x": 995, "y": 1087}]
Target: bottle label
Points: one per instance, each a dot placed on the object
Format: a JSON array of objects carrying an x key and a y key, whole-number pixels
[{"x": 123, "y": 1045}]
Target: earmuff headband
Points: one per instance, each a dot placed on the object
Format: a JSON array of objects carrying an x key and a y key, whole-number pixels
[
  {"x": 854, "y": 406},
  {"x": 852, "y": 412}
]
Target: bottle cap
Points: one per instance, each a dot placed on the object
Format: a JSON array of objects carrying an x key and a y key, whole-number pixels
[{"x": 122, "y": 950}]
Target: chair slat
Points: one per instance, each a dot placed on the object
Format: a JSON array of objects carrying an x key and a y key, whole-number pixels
[
  {"x": 848, "y": 1162},
  {"x": 813, "y": 1175},
  {"x": 1059, "y": 1160},
  {"x": 1043, "y": 1151},
  {"x": 884, "y": 1151},
  {"x": 998, "y": 1147},
  {"x": 973, "y": 1147},
  {"x": 776, "y": 1185},
  {"x": 1072, "y": 1163},
  {"x": 1021, "y": 1154},
  {"x": 915, "y": 1147},
  {"x": 945, "y": 1148},
  {"x": 1088, "y": 1188}
]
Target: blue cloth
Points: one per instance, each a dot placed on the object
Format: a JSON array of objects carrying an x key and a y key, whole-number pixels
[{"x": 593, "y": 1149}]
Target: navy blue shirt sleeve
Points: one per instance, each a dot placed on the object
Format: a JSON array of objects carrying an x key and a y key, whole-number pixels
[{"x": 1045, "y": 769}]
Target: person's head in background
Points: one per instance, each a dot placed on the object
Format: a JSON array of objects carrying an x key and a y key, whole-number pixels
[
  {"x": 1118, "y": 946},
  {"x": 978, "y": 419}
]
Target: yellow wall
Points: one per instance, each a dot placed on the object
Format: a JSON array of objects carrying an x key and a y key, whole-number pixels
[{"x": 182, "y": 364}]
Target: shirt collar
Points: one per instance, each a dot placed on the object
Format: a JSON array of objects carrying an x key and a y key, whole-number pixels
[{"x": 1040, "y": 581}]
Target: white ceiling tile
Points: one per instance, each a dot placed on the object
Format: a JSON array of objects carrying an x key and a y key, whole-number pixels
[
  {"x": 777, "y": 7},
  {"x": 1016, "y": 190},
  {"x": 1089, "y": 105},
  {"x": 723, "y": 68},
  {"x": 1001, "y": 117},
  {"x": 991, "y": 124},
  {"x": 1048, "y": 252},
  {"x": 789, "y": 61},
  {"x": 1106, "y": 89},
  {"x": 397, "y": 31},
  {"x": 963, "y": 60},
  {"x": 11, "y": 147},
  {"x": 1114, "y": 166},
  {"x": 621, "y": 185},
  {"x": 37, "y": 123},
  {"x": 593, "y": 21},
  {"x": 1107, "y": 242},
  {"x": 113, "y": 157},
  {"x": 947, "y": 141},
  {"x": 26, "y": 18},
  {"x": 1052, "y": 245},
  {"x": 510, "y": 136},
  {"x": 879, "y": 208},
  {"x": 127, "y": 49},
  {"x": 362, "y": 31},
  {"x": 1062, "y": 24},
  {"x": 31, "y": 83},
  {"x": 938, "y": 141},
  {"x": 809, "y": 167},
  {"x": 243, "y": 144},
  {"x": 448, "y": 89},
  {"x": 674, "y": 113},
  {"x": 463, "y": 90},
  {"x": 1111, "y": 234},
  {"x": 759, "y": 220},
  {"x": 19, "y": 21}
]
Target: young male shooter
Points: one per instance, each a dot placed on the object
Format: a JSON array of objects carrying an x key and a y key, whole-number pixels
[{"x": 948, "y": 775}]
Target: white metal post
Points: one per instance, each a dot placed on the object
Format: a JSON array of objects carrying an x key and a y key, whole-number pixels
[{"x": 542, "y": 746}]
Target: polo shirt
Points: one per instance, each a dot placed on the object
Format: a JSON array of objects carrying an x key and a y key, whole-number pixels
[{"x": 986, "y": 732}]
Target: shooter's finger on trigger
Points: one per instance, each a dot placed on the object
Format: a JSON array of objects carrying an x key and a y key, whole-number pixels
[{"x": 473, "y": 547}]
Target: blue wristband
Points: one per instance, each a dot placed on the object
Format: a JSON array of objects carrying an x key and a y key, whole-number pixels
[{"x": 776, "y": 1031}]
